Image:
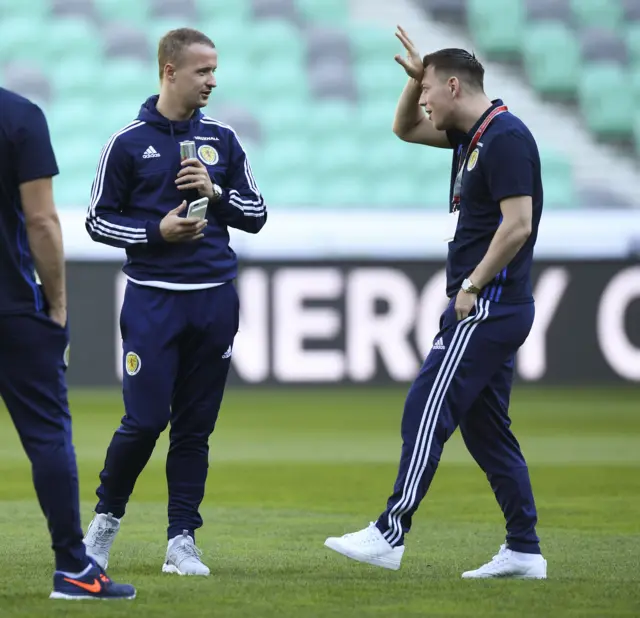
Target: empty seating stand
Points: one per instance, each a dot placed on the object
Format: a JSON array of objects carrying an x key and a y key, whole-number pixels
[{"x": 310, "y": 92}]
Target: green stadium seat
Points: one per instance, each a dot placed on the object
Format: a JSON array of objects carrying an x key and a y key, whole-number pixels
[
  {"x": 374, "y": 44},
  {"x": 129, "y": 79},
  {"x": 632, "y": 38},
  {"x": 636, "y": 133},
  {"x": 260, "y": 62},
  {"x": 274, "y": 41},
  {"x": 36, "y": 9},
  {"x": 417, "y": 171},
  {"x": 334, "y": 12},
  {"x": 71, "y": 38},
  {"x": 600, "y": 13},
  {"x": 69, "y": 195},
  {"x": 290, "y": 190},
  {"x": 229, "y": 36},
  {"x": 234, "y": 79},
  {"x": 238, "y": 11},
  {"x": 286, "y": 158},
  {"x": 22, "y": 39},
  {"x": 283, "y": 118},
  {"x": 635, "y": 82},
  {"x": 385, "y": 154},
  {"x": 552, "y": 59},
  {"x": 393, "y": 156},
  {"x": 76, "y": 77},
  {"x": 157, "y": 28},
  {"x": 375, "y": 118},
  {"x": 273, "y": 80},
  {"x": 344, "y": 189},
  {"x": 381, "y": 155},
  {"x": 557, "y": 179},
  {"x": 125, "y": 11},
  {"x": 435, "y": 161},
  {"x": 327, "y": 154},
  {"x": 380, "y": 80},
  {"x": 119, "y": 113},
  {"x": 77, "y": 159},
  {"x": 606, "y": 101},
  {"x": 330, "y": 120},
  {"x": 80, "y": 173},
  {"x": 497, "y": 26},
  {"x": 70, "y": 118},
  {"x": 402, "y": 191},
  {"x": 434, "y": 189},
  {"x": 335, "y": 156},
  {"x": 558, "y": 196},
  {"x": 436, "y": 178}
]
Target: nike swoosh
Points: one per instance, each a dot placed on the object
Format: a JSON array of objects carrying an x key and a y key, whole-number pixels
[{"x": 95, "y": 587}]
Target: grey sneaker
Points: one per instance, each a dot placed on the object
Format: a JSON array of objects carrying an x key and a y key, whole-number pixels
[
  {"x": 100, "y": 537},
  {"x": 183, "y": 557}
]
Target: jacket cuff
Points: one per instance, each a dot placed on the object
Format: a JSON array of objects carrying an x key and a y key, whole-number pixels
[
  {"x": 154, "y": 237},
  {"x": 223, "y": 200}
]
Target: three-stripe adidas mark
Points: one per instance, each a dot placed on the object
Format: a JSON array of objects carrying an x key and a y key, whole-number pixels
[
  {"x": 429, "y": 421},
  {"x": 150, "y": 153},
  {"x": 439, "y": 344}
]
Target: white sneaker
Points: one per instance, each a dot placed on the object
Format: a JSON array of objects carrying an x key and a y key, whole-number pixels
[
  {"x": 100, "y": 537},
  {"x": 368, "y": 546},
  {"x": 183, "y": 557},
  {"x": 508, "y": 563}
]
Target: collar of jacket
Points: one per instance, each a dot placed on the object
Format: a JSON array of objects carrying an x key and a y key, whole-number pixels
[{"x": 150, "y": 114}]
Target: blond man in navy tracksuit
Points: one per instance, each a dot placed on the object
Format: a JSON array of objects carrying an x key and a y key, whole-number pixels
[{"x": 180, "y": 312}]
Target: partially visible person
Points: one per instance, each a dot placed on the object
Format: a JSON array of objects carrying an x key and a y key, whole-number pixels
[{"x": 34, "y": 341}]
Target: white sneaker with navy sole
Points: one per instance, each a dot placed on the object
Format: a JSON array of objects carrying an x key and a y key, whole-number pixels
[
  {"x": 511, "y": 564},
  {"x": 368, "y": 545}
]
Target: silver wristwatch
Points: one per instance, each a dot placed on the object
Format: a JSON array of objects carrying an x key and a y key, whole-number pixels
[
  {"x": 217, "y": 192},
  {"x": 467, "y": 286}
]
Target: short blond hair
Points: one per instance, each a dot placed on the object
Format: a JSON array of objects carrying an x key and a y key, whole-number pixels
[{"x": 175, "y": 42}]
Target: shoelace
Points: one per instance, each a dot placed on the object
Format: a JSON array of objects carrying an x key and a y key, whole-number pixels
[
  {"x": 368, "y": 535},
  {"x": 102, "y": 538},
  {"x": 187, "y": 550},
  {"x": 500, "y": 558}
]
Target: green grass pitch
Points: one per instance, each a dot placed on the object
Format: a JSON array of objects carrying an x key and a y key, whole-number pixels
[{"x": 291, "y": 467}]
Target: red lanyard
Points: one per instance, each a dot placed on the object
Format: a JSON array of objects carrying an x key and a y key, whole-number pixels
[{"x": 474, "y": 142}]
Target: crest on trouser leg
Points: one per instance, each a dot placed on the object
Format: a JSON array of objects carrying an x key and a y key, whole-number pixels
[{"x": 132, "y": 363}]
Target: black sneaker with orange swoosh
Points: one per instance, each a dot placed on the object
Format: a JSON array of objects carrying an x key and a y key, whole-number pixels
[{"x": 94, "y": 584}]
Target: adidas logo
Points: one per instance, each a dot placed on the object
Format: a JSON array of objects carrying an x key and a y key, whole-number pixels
[
  {"x": 439, "y": 344},
  {"x": 150, "y": 153},
  {"x": 227, "y": 354}
]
